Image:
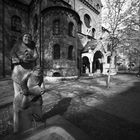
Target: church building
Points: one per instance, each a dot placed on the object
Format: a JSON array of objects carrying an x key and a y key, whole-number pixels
[{"x": 68, "y": 34}]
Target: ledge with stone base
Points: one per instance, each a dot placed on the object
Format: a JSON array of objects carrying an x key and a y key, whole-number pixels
[{"x": 56, "y": 128}]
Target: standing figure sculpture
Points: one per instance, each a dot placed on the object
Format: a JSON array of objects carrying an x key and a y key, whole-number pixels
[{"x": 24, "y": 56}]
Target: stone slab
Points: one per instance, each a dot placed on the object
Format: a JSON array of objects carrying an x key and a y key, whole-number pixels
[{"x": 56, "y": 128}]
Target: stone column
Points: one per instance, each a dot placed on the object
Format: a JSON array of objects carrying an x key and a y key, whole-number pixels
[{"x": 91, "y": 63}]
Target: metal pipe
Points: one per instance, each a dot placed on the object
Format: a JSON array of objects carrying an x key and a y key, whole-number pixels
[
  {"x": 3, "y": 39},
  {"x": 40, "y": 29}
]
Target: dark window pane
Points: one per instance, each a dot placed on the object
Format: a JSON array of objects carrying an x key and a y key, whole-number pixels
[
  {"x": 56, "y": 51},
  {"x": 108, "y": 59},
  {"x": 71, "y": 29},
  {"x": 87, "y": 20},
  {"x": 16, "y": 23},
  {"x": 93, "y": 32},
  {"x": 70, "y": 50},
  {"x": 108, "y": 47}
]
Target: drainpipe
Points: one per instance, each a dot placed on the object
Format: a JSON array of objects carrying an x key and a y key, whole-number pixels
[
  {"x": 74, "y": 4},
  {"x": 139, "y": 35},
  {"x": 40, "y": 29},
  {"x": 3, "y": 39},
  {"x": 76, "y": 55},
  {"x": 91, "y": 62}
]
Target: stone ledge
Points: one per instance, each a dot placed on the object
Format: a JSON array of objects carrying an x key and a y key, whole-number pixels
[
  {"x": 56, "y": 128},
  {"x": 57, "y": 79}
]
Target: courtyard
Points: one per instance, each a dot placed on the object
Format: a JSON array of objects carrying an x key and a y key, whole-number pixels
[{"x": 99, "y": 112}]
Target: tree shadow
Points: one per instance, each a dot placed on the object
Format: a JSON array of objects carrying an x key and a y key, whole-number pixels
[
  {"x": 58, "y": 108},
  {"x": 110, "y": 120}
]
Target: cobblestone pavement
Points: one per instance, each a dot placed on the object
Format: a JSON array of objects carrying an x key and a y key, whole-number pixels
[{"x": 86, "y": 102}]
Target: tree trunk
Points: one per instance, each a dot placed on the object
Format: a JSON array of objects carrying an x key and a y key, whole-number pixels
[{"x": 109, "y": 74}]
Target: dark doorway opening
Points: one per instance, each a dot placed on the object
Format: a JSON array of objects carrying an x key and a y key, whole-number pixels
[
  {"x": 97, "y": 62},
  {"x": 86, "y": 65}
]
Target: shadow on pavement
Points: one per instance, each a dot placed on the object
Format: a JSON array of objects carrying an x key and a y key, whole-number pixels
[
  {"x": 115, "y": 119},
  {"x": 58, "y": 108}
]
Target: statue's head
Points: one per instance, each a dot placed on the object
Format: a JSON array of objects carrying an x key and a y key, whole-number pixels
[{"x": 27, "y": 38}]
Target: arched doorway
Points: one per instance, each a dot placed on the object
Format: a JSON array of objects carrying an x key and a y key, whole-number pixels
[
  {"x": 86, "y": 65},
  {"x": 97, "y": 62}
]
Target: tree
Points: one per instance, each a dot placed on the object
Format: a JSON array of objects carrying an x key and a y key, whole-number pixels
[
  {"x": 113, "y": 19},
  {"x": 131, "y": 31}
]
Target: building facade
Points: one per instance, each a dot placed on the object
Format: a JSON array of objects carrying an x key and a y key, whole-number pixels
[{"x": 67, "y": 34}]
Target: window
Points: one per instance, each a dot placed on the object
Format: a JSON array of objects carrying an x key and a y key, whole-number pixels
[
  {"x": 35, "y": 23},
  {"x": 70, "y": 50},
  {"x": 98, "y": 6},
  {"x": 56, "y": 51},
  {"x": 108, "y": 47},
  {"x": 16, "y": 23},
  {"x": 79, "y": 27},
  {"x": 13, "y": 41},
  {"x": 87, "y": 20},
  {"x": 71, "y": 29},
  {"x": 108, "y": 59},
  {"x": 93, "y": 32},
  {"x": 56, "y": 27},
  {"x": 115, "y": 60},
  {"x": 56, "y": 74}
]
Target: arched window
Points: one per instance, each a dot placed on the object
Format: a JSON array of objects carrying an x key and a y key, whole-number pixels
[
  {"x": 70, "y": 50},
  {"x": 87, "y": 20},
  {"x": 71, "y": 29},
  {"x": 35, "y": 23},
  {"x": 56, "y": 27},
  {"x": 93, "y": 32},
  {"x": 108, "y": 59},
  {"x": 56, "y": 51},
  {"x": 16, "y": 23}
]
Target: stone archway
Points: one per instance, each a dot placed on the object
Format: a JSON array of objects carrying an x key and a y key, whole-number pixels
[
  {"x": 85, "y": 65},
  {"x": 97, "y": 62}
]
